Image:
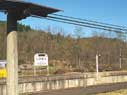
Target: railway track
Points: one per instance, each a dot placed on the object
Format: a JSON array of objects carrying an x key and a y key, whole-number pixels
[{"x": 83, "y": 91}]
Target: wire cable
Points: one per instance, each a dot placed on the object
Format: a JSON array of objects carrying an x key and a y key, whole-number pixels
[
  {"x": 90, "y": 21},
  {"x": 79, "y": 24},
  {"x": 76, "y": 21}
]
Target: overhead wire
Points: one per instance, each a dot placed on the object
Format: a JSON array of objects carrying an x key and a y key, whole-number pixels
[
  {"x": 90, "y": 21},
  {"x": 77, "y": 21},
  {"x": 78, "y": 24},
  {"x": 64, "y": 19},
  {"x": 83, "y": 25}
]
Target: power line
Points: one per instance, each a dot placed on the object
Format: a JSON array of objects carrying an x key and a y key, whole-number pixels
[
  {"x": 90, "y": 21},
  {"x": 79, "y": 24},
  {"x": 87, "y": 23}
]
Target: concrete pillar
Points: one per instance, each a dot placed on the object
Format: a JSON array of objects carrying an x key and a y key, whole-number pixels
[{"x": 12, "y": 55}]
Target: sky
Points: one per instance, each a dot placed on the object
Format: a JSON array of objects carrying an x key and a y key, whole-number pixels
[{"x": 108, "y": 11}]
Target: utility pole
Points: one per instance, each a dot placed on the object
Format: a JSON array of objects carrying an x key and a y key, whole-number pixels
[{"x": 97, "y": 62}]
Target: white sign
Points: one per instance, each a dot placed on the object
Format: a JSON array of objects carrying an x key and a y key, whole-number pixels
[
  {"x": 3, "y": 63},
  {"x": 40, "y": 59}
]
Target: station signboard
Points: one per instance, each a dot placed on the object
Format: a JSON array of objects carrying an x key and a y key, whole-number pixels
[{"x": 40, "y": 59}]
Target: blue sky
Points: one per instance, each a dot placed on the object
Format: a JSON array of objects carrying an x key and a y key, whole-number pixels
[{"x": 109, "y": 11}]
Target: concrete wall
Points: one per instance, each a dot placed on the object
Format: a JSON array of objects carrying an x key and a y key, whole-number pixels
[{"x": 33, "y": 84}]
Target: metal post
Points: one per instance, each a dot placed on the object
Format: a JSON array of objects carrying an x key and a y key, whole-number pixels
[{"x": 12, "y": 55}]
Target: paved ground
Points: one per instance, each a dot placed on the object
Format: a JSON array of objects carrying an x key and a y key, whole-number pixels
[{"x": 84, "y": 91}]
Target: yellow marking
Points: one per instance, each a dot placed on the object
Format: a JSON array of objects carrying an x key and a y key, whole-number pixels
[{"x": 3, "y": 73}]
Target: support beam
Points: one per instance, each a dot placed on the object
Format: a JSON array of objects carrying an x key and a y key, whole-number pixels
[{"x": 12, "y": 55}]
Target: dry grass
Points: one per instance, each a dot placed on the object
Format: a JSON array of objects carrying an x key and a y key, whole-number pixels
[{"x": 118, "y": 92}]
